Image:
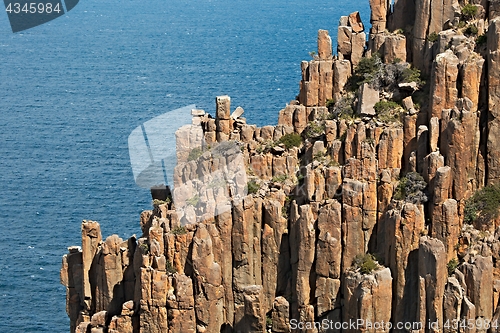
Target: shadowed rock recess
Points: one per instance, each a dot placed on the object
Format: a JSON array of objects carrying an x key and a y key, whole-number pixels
[{"x": 366, "y": 201}]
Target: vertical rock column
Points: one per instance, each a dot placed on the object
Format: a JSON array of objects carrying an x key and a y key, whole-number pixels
[
  {"x": 91, "y": 240},
  {"x": 401, "y": 232},
  {"x": 460, "y": 146},
  {"x": 316, "y": 86},
  {"x": 433, "y": 276},
  {"x": 275, "y": 253},
  {"x": 224, "y": 225},
  {"x": 493, "y": 153},
  {"x": 368, "y": 297},
  {"x": 378, "y": 17},
  {"x": 303, "y": 235},
  {"x": 209, "y": 291},
  {"x": 479, "y": 280},
  {"x": 246, "y": 239},
  {"x": 223, "y": 117},
  {"x": 444, "y": 92},
  {"x": 180, "y": 303},
  {"x": 359, "y": 198},
  {"x": 109, "y": 293},
  {"x": 351, "y": 38},
  {"x": 71, "y": 278},
  {"x": 430, "y": 15},
  {"x": 328, "y": 259}
]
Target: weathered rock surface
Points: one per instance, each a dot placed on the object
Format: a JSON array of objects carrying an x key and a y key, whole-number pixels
[
  {"x": 368, "y": 97},
  {"x": 331, "y": 225}
]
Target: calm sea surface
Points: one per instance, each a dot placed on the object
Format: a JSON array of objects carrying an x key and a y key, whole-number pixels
[{"x": 72, "y": 90}]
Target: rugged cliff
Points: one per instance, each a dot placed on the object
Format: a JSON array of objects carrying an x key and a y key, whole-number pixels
[{"x": 375, "y": 197}]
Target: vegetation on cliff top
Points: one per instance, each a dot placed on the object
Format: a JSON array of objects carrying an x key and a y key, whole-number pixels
[
  {"x": 483, "y": 206},
  {"x": 291, "y": 140},
  {"x": 469, "y": 11},
  {"x": 343, "y": 108},
  {"x": 388, "y": 111},
  {"x": 365, "y": 262},
  {"x": 194, "y": 154},
  {"x": 383, "y": 76},
  {"x": 252, "y": 187},
  {"x": 411, "y": 189},
  {"x": 452, "y": 266}
]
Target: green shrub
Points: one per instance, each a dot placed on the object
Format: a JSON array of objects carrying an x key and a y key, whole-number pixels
[
  {"x": 343, "y": 109},
  {"x": 461, "y": 24},
  {"x": 469, "y": 11},
  {"x": 217, "y": 183},
  {"x": 367, "y": 71},
  {"x": 481, "y": 39},
  {"x": 157, "y": 202},
  {"x": 320, "y": 157},
  {"x": 433, "y": 37},
  {"x": 483, "y": 206},
  {"x": 411, "y": 189},
  {"x": 471, "y": 30},
  {"x": 365, "y": 262},
  {"x": 312, "y": 54},
  {"x": 314, "y": 129},
  {"x": 382, "y": 76},
  {"x": 252, "y": 187},
  {"x": 279, "y": 179},
  {"x": 388, "y": 111},
  {"x": 145, "y": 248},
  {"x": 170, "y": 268},
  {"x": 291, "y": 140},
  {"x": 195, "y": 153},
  {"x": 193, "y": 201},
  {"x": 384, "y": 106},
  {"x": 452, "y": 265},
  {"x": 412, "y": 74},
  {"x": 369, "y": 140},
  {"x": 180, "y": 230},
  {"x": 330, "y": 103},
  {"x": 269, "y": 322},
  {"x": 286, "y": 206}
]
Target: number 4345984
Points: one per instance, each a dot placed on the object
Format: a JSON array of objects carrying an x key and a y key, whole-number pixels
[{"x": 33, "y": 8}]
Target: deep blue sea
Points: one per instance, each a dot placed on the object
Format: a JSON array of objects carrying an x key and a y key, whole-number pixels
[{"x": 72, "y": 90}]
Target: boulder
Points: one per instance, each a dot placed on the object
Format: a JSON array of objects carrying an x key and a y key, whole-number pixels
[{"x": 367, "y": 99}]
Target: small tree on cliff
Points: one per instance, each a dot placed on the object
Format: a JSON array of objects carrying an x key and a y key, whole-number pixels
[{"x": 411, "y": 189}]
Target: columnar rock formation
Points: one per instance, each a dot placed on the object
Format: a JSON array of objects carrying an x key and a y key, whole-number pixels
[{"x": 349, "y": 215}]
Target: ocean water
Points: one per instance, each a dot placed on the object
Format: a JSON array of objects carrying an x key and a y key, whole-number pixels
[{"x": 72, "y": 90}]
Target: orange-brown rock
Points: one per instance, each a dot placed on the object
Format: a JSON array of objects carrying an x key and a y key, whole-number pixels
[
  {"x": 493, "y": 157},
  {"x": 281, "y": 315},
  {"x": 324, "y": 45},
  {"x": 368, "y": 297},
  {"x": 479, "y": 279},
  {"x": 378, "y": 17},
  {"x": 433, "y": 274},
  {"x": 355, "y": 22},
  {"x": 91, "y": 239},
  {"x": 444, "y": 83},
  {"x": 341, "y": 73},
  {"x": 398, "y": 241},
  {"x": 287, "y": 251}
]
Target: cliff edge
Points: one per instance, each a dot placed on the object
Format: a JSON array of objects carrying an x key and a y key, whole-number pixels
[{"x": 372, "y": 205}]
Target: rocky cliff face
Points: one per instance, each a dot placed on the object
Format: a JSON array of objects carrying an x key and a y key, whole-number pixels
[{"x": 360, "y": 200}]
